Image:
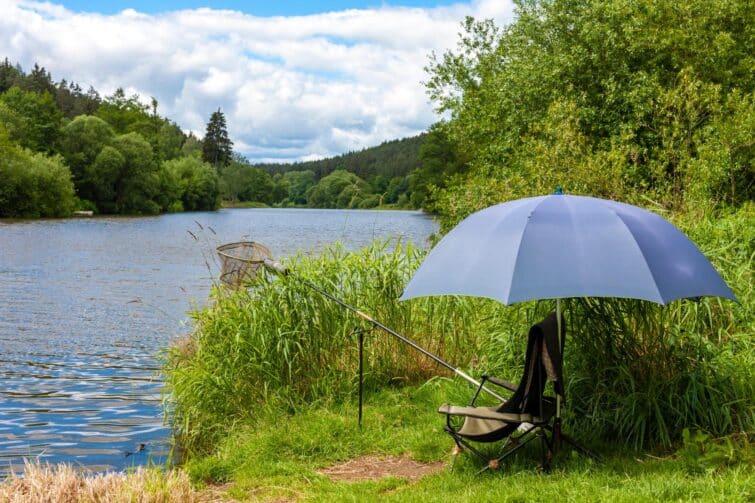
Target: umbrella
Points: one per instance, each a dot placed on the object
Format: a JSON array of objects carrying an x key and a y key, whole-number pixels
[{"x": 560, "y": 246}]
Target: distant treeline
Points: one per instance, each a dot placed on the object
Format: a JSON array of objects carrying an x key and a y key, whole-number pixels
[
  {"x": 64, "y": 149},
  {"x": 389, "y": 159},
  {"x": 390, "y": 174}
]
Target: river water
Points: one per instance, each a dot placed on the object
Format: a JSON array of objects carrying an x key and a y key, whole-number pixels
[{"x": 86, "y": 305}]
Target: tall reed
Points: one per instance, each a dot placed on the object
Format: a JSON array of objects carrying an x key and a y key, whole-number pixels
[
  {"x": 279, "y": 345},
  {"x": 640, "y": 372}
]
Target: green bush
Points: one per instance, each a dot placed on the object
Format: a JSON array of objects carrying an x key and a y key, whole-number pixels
[
  {"x": 33, "y": 185},
  {"x": 193, "y": 182}
]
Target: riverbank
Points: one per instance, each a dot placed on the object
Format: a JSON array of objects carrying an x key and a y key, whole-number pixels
[
  {"x": 399, "y": 455},
  {"x": 263, "y": 391},
  {"x": 253, "y": 204},
  {"x": 321, "y": 454}
]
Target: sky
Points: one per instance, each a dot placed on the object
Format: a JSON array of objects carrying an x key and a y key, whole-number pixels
[
  {"x": 297, "y": 80},
  {"x": 256, "y": 8}
]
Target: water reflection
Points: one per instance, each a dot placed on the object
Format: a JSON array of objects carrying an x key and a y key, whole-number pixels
[{"x": 86, "y": 305}]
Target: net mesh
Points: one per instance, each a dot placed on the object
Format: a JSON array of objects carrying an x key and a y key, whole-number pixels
[{"x": 241, "y": 261}]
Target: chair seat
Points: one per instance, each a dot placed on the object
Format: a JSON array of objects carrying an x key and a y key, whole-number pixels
[{"x": 485, "y": 422}]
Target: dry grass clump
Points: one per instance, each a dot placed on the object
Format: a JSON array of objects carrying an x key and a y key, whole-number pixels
[{"x": 44, "y": 483}]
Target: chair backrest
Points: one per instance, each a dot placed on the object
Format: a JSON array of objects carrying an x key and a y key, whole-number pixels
[{"x": 543, "y": 362}]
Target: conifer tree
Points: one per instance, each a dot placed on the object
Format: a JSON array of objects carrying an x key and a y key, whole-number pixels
[{"x": 216, "y": 146}]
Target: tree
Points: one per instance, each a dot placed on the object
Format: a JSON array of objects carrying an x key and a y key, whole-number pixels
[
  {"x": 124, "y": 114},
  {"x": 9, "y": 75},
  {"x": 216, "y": 146},
  {"x": 138, "y": 183},
  {"x": 103, "y": 174},
  {"x": 41, "y": 118},
  {"x": 340, "y": 189},
  {"x": 603, "y": 97},
  {"x": 13, "y": 124},
  {"x": 242, "y": 182},
  {"x": 53, "y": 192},
  {"x": 197, "y": 183},
  {"x": 192, "y": 146},
  {"x": 299, "y": 182},
  {"x": 170, "y": 139},
  {"x": 439, "y": 161},
  {"x": 33, "y": 185},
  {"x": 38, "y": 81},
  {"x": 82, "y": 141},
  {"x": 15, "y": 179}
]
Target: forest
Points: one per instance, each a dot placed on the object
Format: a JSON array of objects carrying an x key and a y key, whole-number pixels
[
  {"x": 651, "y": 103},
  {"x": 65, "y": 149},
  {"x": 387, "y": 175}
]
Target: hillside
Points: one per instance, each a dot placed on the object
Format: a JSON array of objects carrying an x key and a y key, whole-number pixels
[{"x": 390, "y": 159}]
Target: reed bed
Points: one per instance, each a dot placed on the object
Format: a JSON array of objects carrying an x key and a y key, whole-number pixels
[
  {"x": 637, "y": 373},
  {"x": 43, "y": 483},
  {"x": 277, "y": 345},
  {"x": 642, "y": 372}
]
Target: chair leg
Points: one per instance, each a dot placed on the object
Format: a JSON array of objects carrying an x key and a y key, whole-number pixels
[
  {"x": 547, "y": 449},
  {"x": 525, "y": 439},
  {"x": 462, "y": 444}
]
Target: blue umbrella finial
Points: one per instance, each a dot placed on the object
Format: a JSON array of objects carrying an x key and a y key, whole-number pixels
[{"x": 559, "y": 191}]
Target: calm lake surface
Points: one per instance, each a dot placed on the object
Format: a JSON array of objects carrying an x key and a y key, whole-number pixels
[{"x": 86, "y": 305}]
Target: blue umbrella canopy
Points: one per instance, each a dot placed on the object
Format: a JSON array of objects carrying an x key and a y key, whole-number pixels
[{"x": 560, "y": 246}]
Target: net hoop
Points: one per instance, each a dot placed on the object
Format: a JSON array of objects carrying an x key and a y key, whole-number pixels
[{"x": 240, "y": 261}]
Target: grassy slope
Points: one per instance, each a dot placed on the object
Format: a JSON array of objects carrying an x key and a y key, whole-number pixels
[{"x": 280, "y": 457}]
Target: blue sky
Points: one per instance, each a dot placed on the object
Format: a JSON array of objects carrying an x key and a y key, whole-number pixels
[
  {"x": 296, "y": 80},
  {"x": 256, "y": 7}
]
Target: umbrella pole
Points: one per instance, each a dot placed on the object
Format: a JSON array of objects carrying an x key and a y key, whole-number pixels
[
  {"x": 560, "y": 350},
  {"x": 557, "y": 423}
]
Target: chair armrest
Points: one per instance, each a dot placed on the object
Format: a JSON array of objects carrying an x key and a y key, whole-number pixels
[
  {"x": 501, "y": 382},
  {"x": 494, "y": 380},
  {"x": 485, "y": 413}
]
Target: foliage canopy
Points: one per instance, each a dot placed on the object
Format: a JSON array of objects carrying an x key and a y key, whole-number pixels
[{"x": 648, "y": 100}]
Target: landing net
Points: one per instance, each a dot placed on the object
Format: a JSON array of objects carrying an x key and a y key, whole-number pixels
[{"x": 240, "y": 261}]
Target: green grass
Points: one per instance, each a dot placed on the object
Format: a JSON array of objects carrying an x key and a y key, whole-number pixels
[{"x": 279, "y": 457}]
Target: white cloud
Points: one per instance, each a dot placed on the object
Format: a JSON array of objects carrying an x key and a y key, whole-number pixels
[{"x": 292, "y": 88}]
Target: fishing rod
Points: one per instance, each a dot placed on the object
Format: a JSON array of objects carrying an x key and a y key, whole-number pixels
[{"x": 277, "y": 267}]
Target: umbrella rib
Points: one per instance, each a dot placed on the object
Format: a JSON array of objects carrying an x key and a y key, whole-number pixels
[
  {"x": 518, "y": 252},
  {"x": 639, "y": 248}
]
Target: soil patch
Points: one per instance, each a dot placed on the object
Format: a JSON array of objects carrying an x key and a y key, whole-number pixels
[{"x": 377, "y": 467}]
